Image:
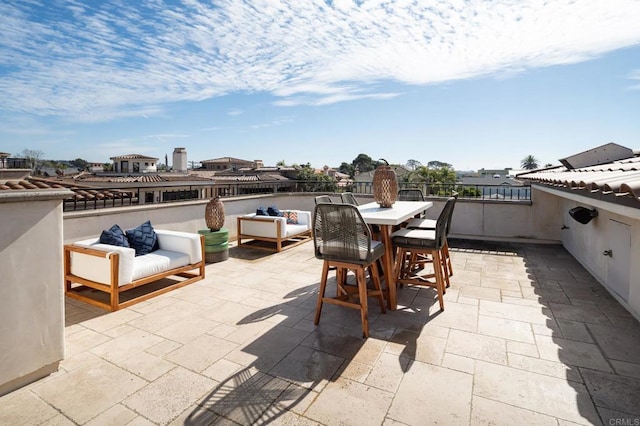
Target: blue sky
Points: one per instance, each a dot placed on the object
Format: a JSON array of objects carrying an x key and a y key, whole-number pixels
[{"x": 472, "y": 83}]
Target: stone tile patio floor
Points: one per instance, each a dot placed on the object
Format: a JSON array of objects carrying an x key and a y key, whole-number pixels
[{"x": 527, "y": 337}]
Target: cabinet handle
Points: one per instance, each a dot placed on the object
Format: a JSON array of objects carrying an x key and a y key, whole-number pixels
[{"x": 608, "y": 253}]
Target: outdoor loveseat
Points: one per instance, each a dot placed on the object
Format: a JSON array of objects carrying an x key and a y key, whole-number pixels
[
  {"x": 92, "y": 269},
  {"x": 284, "y": 231}
]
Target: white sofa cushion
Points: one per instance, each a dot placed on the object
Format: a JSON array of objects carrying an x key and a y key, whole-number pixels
[
  {"x": 181, "y": 242},
  {"x": 158, "y": 261}
]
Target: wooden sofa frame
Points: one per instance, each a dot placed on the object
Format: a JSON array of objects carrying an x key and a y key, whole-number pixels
[
  {"x": 295, "y": 239},
  {"x": 113, "y": 289}
]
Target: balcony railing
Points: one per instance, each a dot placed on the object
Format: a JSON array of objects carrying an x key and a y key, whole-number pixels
[{"x": 90, "y": 199}]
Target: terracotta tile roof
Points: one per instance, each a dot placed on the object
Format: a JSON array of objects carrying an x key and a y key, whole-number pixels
[
  {"x": 250, "y": 177},
  {"x": 237, "y": 178},
  {"x": 80, "y": 192},
  {"x": 143, "y": 178},
  {"x": 226, "y": 160},
  {"x": 133, "y": 157},
  {"x": 613, "y": 180}
]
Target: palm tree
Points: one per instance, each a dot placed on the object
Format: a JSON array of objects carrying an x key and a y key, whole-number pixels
[{"x": 529, "y": 162}]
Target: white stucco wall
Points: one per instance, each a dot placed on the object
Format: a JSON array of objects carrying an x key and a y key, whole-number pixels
[
  {"x": 31, "y": 286},
  {"x": 587, "y": 242},
  {"x": 490, "y": 220},
  {"x": 535, "y": 221},
  {"x": 183, "y": 216}
]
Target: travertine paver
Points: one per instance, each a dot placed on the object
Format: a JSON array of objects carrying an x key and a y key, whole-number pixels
[
  {"x": 86, "y": 392},
  {"x": 526, "y": 337},
  {"x": 494, "y": 413},
  {"x": 347, "y": 402},
  {"x": 430, "y": 394},
  {"x": 477, "y": 346},
  {"x": 165, "y": 398},
  {"x": 505, "y": 328},
  {"x": 534, "y": 392}
]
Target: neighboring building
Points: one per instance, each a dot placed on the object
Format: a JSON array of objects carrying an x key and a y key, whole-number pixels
[
  {"x": 3, "y": 159},
  {"x": 495, "y": 187},
  {"x": 95, "y": 167},
  {"x": 134, "y": 163},
  {"x": 150, "y": 187},
  {"x": 495, "y": 173},
  {"x": 7, "y": 162},
  {"x": 343, "y": 180},
  {"x": 251, "y": 180},
  {"x": 180, "y": 160},
  {"x": 230, "y": 163},
  {"x": 597, "y": 200}
]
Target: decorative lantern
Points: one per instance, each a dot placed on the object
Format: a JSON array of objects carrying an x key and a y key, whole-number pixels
[
  {"x": 385, "y": 185},
  {"x": 214, "y": 214}
]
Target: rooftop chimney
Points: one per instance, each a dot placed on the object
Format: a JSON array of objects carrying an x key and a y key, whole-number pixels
[{"x": 180, "y": 160}]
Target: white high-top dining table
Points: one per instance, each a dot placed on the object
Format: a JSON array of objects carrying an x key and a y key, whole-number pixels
[{"x": 386, "y": 219}]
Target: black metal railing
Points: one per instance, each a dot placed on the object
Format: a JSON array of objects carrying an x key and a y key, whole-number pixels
[
  {"x": 477, "y": 192},
  {"x": 90, "y": 199}
]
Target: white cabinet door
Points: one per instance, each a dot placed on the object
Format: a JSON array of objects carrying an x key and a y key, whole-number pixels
[{"x": 619, "y": 263}]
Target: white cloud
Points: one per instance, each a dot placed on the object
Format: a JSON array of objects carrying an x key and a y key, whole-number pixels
[
  {"x": 277, "y": 122},
  {"x": 235, "y": 112},
  {"x": 98, "y": 61}
]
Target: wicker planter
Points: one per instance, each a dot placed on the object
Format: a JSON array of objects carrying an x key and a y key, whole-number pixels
[
  {"x": 385, "y": 186},
  {"x": 214, "y": 214}
]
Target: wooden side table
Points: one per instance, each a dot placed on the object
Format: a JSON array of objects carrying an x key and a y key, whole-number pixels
[{"x": 216, "y": 245}]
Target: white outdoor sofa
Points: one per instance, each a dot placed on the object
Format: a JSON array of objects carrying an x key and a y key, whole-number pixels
[
  {"x": 274, "y": 229},
  {"x": 90, "y": 266}
]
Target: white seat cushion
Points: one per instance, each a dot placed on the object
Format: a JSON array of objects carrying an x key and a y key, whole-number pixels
[{"x": 157, "y": 262}]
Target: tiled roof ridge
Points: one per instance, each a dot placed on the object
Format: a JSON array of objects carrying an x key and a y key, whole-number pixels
[
  {"x": 133, "y": 157},
  {"x": 227, "y": 159},
  {"x": 614, "y": 181}
]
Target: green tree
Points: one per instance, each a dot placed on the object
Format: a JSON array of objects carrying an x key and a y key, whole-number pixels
[
  {"x": 364, "y": 163},
  {"x": 529, "y": 162},
  {"x": 437, "y": 181},
  {"x": 413, "y": 164},
  {"x": 438, "y": 164},
  {"x": 313, "y": 182},
  {"x": 79, "y": 163},
  {"x": 281, "y": 163},
  {"x": 347, "y": 169}
]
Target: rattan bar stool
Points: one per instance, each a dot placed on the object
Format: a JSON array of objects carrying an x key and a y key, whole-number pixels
[
  {"x": 411, "y": 195},
  {"x": 343, "y": 240},
  {"x": 410, "y": 243},
  {"x": 430, "y": 224}
]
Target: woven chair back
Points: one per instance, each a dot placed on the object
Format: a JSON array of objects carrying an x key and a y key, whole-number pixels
[
  {"x": 323, "y": 199},
  {"x": 340, "y": 234},
  {"x": 455, "y": 197},
  {"x": 348, "y": 198},
  {"x": 443, "y": 221},
  {"x": 410, "y": 195}
]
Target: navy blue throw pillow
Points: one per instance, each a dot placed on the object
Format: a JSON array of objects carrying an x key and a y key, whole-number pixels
[
  {"x": 261, "y": 211},
  {"x": 143, "y": 239},
  {"x": 114, "y": 236},
  {"x": 274, "y": 211}
]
